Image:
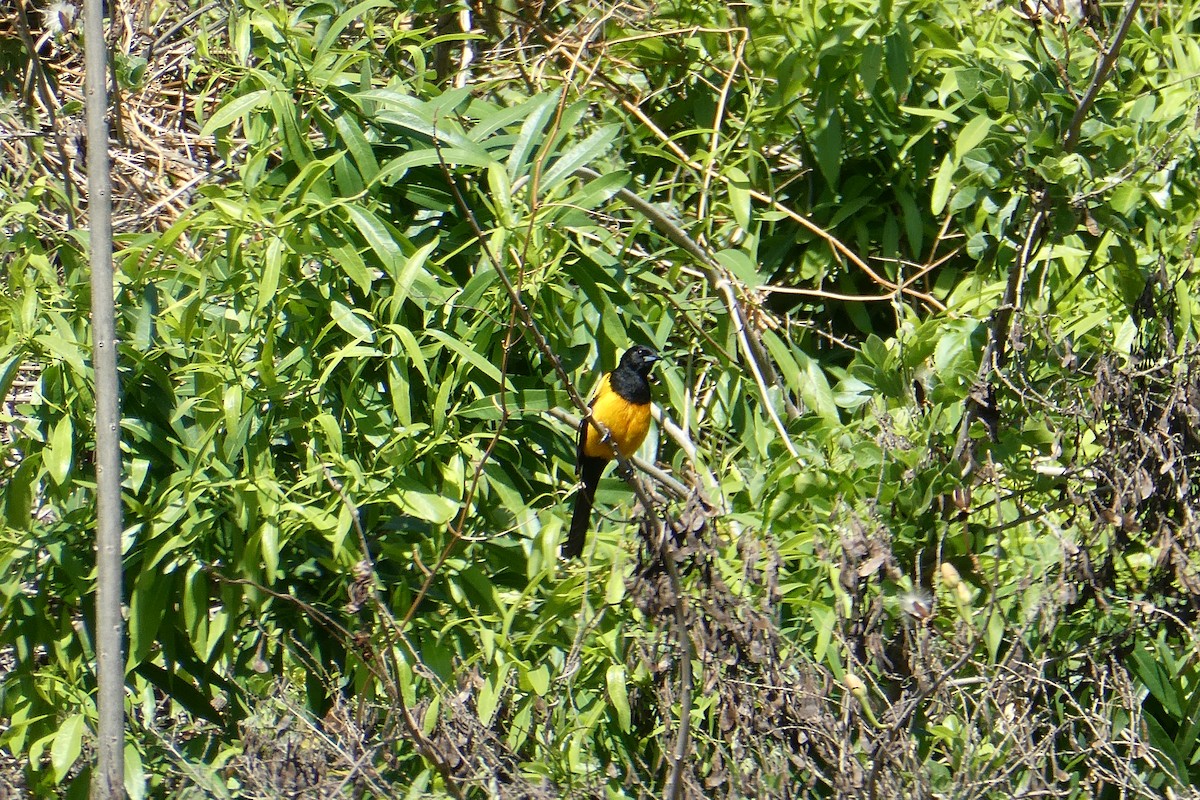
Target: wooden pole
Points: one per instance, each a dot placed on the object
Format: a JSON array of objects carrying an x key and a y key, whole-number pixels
[{"x": 110, "y": 628}]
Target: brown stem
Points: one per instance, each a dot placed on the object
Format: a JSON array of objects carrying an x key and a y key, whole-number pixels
[{"x": 1106, "y": 64}]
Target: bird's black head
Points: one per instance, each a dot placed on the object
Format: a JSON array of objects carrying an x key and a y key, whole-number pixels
[{"x": 640, "y": 359}]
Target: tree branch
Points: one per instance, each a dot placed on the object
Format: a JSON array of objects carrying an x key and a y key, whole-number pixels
[
  {"x": 110, "y": 627},
  {"x": 1106, "y": 64}
]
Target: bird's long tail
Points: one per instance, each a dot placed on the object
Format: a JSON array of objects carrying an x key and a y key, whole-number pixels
[{"x": 589, "y": 474}]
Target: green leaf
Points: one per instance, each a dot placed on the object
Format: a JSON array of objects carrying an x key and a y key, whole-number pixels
[
  {"x": 424, "y": 503},
  {"x": 309, "y": 179},
  {"x": 577, "y": 156},
  {"x": 785, "y": 362},
  {"x": 236, "y": 109},
  {"x": 516, "y": 401},
  {"x": 869, "y": 66},
  {"x": 11, "y": 359},
  {"x": 497, "y": 118},
  {"x": 411, "y": 114},
  {"x": 501, "y": 198},
  {"x": 347, "y": 18},
  {"x": 337, "y": 537},
  {"x": 739, "y": 196},
  {"x": 270, "y": 551},
  {"x": 741, "y": 266},
  {"x": 331, "y": 430},
  {"x": 135, "y": 773},
  {"x": 68, "y": 742},
  {"x": 272, "y": 266},
  {"x": 600, "y": 190},
  {"x": 934, "y": 113},
  {"x": 972, "y": 134},
  {"x": 377, "y": 236},
  {"x": 146, "y": 608},
  {"x": 18, "y": 495},
  {"x": 71, "y": 352},
  {"x": 852, "y": 393},
  {"x": 943, "y": 182},
  {"x": 182, "y": 688},
  {"x": 58, "y": 454},
  {"x": 429, "y": 723},
  {"x": 614, "y": 589},
  {"x": 349, "y": 320},
  {"x": 539, "y": 680},
  {"x": 913, "y": 221},
  {"x": 825, "y": 621},
  {"x": 815, "y": 390},
  {"x": 463, "y": 350},
  {"x": 194, "y": 603},
  {"x": 1126, "y": 197},
  {"x": 489, "y": 694},
  {"x": 1143, "y": 108},
  {"x": 414, "y": 265},
  {"x": 995, "y": 634},
  {"x": 395, "y": 169},
  {"x": 897, "y": 58},
  {"x": 350, "y": 262},
  {"x": 1162, "y": 741},
  {"x": 618, "y": 695},
  {"x": 827, "y": 147},
  {"x": 540, "y": 111},
  {"x": 1158, "y": 680}
]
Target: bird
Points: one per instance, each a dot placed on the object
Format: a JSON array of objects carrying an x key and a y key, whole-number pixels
[{"x": 622, "y": 405}]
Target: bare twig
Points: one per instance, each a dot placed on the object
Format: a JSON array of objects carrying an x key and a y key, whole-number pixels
[
  {"x": 674, "y": 784},
  {"x": 712, "y": 487},
  {"x": 1102, "y": 69},
  {"x": 668, "y": 482},
  {"x": 719, "y": 117},
  {"x": 661, "y": 542},
  {"x": 995, "y": 352}
]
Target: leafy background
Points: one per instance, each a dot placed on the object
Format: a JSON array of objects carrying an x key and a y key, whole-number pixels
[{"x": 924, "y": 520}]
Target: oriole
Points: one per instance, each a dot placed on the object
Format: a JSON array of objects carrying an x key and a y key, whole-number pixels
[{"x": 622, "y": 405}]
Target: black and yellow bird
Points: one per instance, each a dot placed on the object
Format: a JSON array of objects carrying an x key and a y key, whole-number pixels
[{"x": 622, "y": 405}]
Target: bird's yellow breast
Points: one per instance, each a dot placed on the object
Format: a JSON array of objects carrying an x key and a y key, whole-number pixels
[{"x": 627, "y": 423}]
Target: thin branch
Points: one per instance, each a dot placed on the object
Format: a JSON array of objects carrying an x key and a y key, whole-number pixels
[
  {"x": 995, "y": 352},
  {"x": 1106, "y": 64},
  {"x": 110, "y": 625},
  {"x": 839, "y": 249},
  {"x": 683, "y": 440},
  {"x": 674, "y": 787},
  {"x": 668, "y": 482},
  {"x": 725, "y": 286},
  {"x": 718, "y": 118},
  {"x": 531, "y": 327}
]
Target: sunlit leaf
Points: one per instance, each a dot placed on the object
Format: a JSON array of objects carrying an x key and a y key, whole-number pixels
[
  {"x": 235, "y": 109},
  {"x": 618, "y": 695},
  {"x": 577, "y": 156},
  {"x": 351, "y": 322},
  {"x": 58, "y": 454},
  {"x": 68, "y": 743}
]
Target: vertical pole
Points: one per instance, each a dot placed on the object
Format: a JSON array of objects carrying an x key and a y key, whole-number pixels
[{"x": 110, "y": 661}]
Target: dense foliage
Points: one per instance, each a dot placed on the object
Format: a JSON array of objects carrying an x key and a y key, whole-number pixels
[{"x": 924, "y": 273}]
